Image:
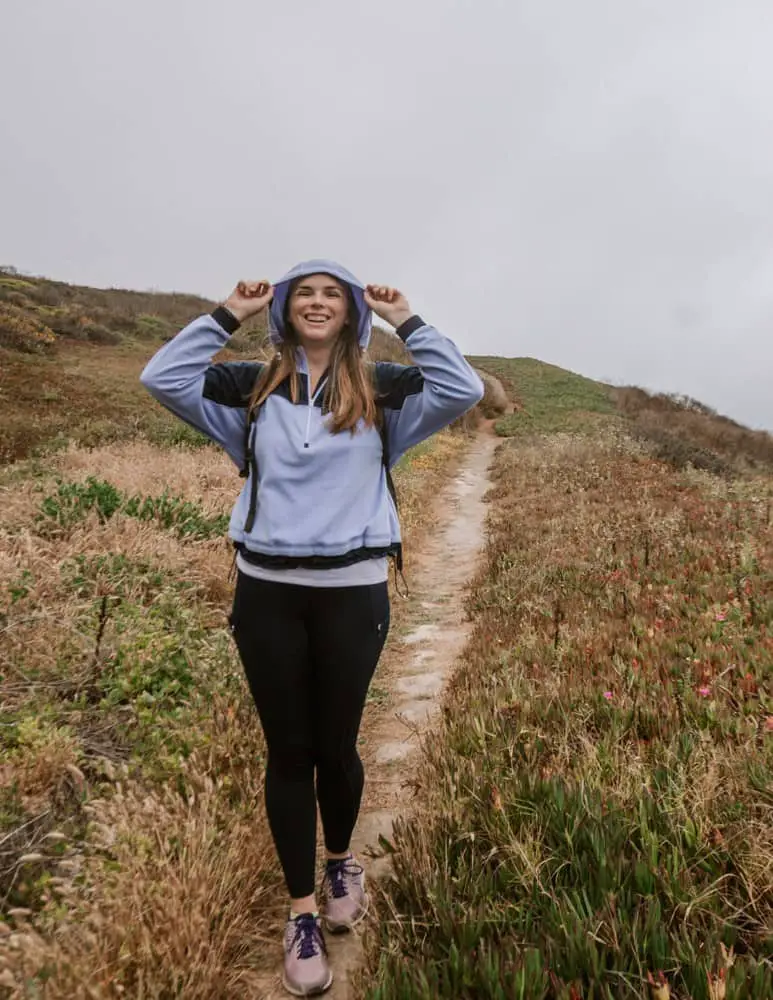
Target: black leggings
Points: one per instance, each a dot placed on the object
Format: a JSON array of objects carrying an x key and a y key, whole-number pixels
[{"x": 309, "y": 654}]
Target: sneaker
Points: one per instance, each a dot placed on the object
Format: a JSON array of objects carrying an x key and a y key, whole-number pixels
[
  {"x": 345, "y": 899},
  {"x": 306, "y": 971}
]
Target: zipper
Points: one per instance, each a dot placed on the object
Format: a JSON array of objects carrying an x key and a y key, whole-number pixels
[{"x": 311, "y": 401}]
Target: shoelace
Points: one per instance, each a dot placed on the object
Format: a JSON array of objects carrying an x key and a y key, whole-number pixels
[
  {"x": 337, "y": 873},
  {"x": 307, "y": 937}
]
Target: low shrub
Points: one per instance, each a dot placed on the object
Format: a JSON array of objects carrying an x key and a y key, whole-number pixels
[
  {"x": 716, "y": 442},
  {"x": 22, "y": 332},
  {"x": 73, "y": 501}
]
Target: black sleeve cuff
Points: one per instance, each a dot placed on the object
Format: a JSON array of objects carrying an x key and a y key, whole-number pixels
[
  {"x": 225, "y": 318},
  {"x": 409, "y": 326}
]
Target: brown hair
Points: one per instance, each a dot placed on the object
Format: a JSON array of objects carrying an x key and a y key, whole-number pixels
[{"x": 350, "y": 391}]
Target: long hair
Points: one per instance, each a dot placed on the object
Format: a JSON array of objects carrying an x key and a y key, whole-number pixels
[{"x": 349, "y": 393}]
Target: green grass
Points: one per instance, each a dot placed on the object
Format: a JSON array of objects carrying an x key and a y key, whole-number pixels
[
  {"x": 549, "y": 398},
  {"x": 71, "y": 502},
  {"x": 419, "y": 451},
  {"x": 378, "y": 695}
]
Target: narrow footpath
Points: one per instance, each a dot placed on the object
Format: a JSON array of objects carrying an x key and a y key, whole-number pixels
[{"x": 418, "y": 660}]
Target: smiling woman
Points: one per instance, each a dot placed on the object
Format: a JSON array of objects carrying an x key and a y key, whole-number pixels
[
  {"x": 313, "y": 528},
  {"x": 318, "y": 309},
  {"x": 322, "y": 319}
]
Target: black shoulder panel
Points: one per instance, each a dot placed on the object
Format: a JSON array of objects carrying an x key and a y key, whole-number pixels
[
  {"x": 230, "y": 383},
  {"x": 394, "y": 383}
]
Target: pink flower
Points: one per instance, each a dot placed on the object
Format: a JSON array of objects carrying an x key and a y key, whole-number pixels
[
  {"x": 704, "y": 692},
  {"x": 608, "y": 695},
  {"x": 720, "y": 616}
]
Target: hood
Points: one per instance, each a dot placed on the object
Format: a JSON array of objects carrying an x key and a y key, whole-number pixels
[{"x": 276, "y": 326}]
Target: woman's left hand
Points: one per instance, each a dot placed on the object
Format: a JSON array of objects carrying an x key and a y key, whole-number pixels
[{"x": 388, "y": 304}]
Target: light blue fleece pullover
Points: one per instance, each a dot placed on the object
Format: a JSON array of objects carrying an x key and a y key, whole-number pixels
[{"x": 319, "y": 494}]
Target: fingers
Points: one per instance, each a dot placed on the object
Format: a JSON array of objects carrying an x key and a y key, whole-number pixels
[
  {"x": 257, "y": 289},
  {"x": 254, "y": 289},
  {"x": 382, "y": 293}
]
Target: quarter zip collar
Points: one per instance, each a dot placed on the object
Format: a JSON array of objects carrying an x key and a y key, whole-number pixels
[
  {"x": 302, "y": 363},
  {"x": 311, "y": 402},
  {"x": 303, "y": 368}
]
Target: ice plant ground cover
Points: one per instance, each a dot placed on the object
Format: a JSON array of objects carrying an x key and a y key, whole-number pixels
[{"x": 596, "y": 818}]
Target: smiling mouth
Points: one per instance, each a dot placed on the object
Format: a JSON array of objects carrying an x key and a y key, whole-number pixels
[{"x": 316, "y": 319}]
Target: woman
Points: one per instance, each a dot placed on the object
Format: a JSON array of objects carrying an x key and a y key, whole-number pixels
[{"x": 315, "y": 432}]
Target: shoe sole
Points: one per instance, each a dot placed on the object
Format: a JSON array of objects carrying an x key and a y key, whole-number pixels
[
  {"x": 334, "y": 927},
  {"x": 315, "y": 991}
]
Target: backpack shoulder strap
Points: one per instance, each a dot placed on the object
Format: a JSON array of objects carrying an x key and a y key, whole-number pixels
[
  {"x": 249, "y": 461},
  {"x": 381, "y": 422},
  {"x": 245, "y": 469},
  {"x": 382, "y": 429},
  {"x": 398, "y": 554}
]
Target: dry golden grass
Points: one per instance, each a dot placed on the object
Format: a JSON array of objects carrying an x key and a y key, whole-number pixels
[
  {"x": 135, "y": 859},
  {"x": 177, "y": 887},
  {"x": 134, "y": 467}
]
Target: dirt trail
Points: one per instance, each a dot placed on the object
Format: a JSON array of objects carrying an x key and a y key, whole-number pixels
[{"x": 418, "y": 660}]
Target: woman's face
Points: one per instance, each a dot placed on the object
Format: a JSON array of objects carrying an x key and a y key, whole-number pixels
[{"x": 318, "y": 309}]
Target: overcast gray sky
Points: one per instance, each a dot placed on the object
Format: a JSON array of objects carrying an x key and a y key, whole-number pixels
[{"x": 589, "y": 182}]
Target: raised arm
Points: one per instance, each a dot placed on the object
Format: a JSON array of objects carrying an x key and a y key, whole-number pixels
[
  {"x": 438, "y": 389},
  {"x": 209, "y": 397}
]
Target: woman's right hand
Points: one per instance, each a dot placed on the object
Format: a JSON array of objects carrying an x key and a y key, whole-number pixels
[{"x": 248, "y": 299}]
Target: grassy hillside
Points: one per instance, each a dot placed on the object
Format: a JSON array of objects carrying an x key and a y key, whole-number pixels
[
  {"x": 596, "y": 816},
  {"x": 135, "y": 858},
  {"x": 37, "y": 313},
  {"x": 71, "y": 356},
  {"x": 594, "y": 820},
  {"x": 547, "y": 398},
  {"x": 678, "y": 429}
]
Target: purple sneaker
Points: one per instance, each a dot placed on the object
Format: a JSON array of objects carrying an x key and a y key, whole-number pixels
[
  {"x": 345, "y": 899},
  {"x": 306, "y": 971}
]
